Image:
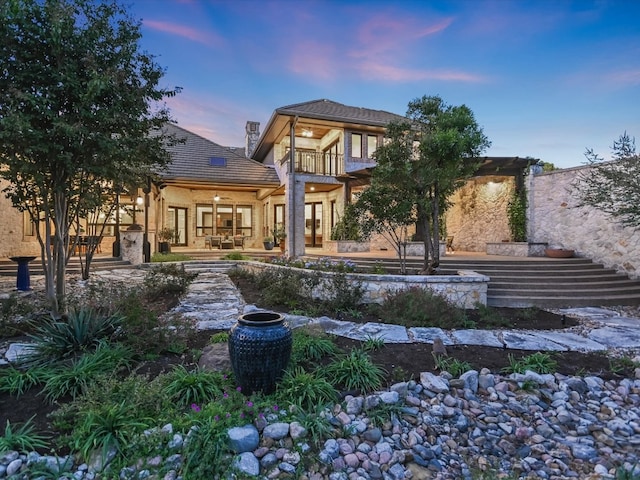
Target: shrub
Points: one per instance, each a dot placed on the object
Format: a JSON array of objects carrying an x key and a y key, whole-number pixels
[
  {"x": 23, "y": 439},
  {"x": 420, "y": 307},
  {"x": 76, "y": 378},
  {"x": 196, "y": 387},
  {"x": 309, "y": 346},
  {"x": 304, "y": 389},
  {"x": 169, "y": 257},
  {"x": 167, "y": 279},
  {"x": 317, "y": 423},
  {"x": 283, "y": 286},
  {"x": 354, "y": 371},
  {"x": 16, "y": 382},
  {"x": 342, "y": 294},
  {"x": 537, "y": 362},
  {"x": 82, "y": 330},
  {"x": 452, "y": 365}
]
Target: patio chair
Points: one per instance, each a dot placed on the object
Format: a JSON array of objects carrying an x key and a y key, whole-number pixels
[
  {"x": 213, "y": 241},
  {"x": 238, "y": 241},
  {"x": 450, "y": 244}
]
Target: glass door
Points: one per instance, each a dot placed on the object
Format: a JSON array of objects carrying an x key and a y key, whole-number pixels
[
  {"x": 313, "y": 224},
  {"x": 177, "y": 221}
]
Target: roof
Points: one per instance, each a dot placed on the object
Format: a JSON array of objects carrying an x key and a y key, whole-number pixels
[
  {"x": 320, "y": 112},
  {"x": 507, "y": 166},
  {"x": 200, "y": 160},
  {"x": 324, "y": 109}
]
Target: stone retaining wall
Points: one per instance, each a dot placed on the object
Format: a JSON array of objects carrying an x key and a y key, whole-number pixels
[
  {"x": 556, "y": 217},
  {"x": 517, "y": 249},
  {"x": 465, "y": 290},
  {"x": 345, "y": 246}
]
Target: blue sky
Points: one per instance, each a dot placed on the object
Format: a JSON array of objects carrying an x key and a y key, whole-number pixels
[{"x": 545, "y": 79}]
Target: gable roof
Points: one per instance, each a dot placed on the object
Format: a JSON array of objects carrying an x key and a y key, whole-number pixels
[
  {"x": 192, "y": 162},
  {"x": 320, "y": 112},
  {"x": 324, "y": 109}
]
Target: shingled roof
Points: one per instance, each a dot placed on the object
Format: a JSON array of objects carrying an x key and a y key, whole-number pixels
[
  {"x": 324, "y": 109},
  {"x": 203, "y": 161}
]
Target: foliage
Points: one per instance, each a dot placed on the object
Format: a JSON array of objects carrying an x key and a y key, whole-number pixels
[
  {"x": 612, "y": 187},
  {"x": 236, "y": 256},
  {"x": 538, "y": 362},
  {"x": 347, "y": 226},
  {"x": 81, "y": 331},
  {"x": 354, "y": 371},
  {"x": 517, "y": 215},
  {"x": 167, "y": 279},
  {"x": 317, "y": 423},
  {"x": 169, "y": 257},
  {"x": 193, "y": 387},
  {"x": 74, "y": 379},
  {"x": 420, "y": 307},
  {"x": 342, "y": 294},
  {"x": 452, "y": 365},
  {"x": 621, "y": 364},
  {"x": 427, "y": 157},
  {"x": 12, "y": 310},
  {"x": 305, "y": 389},
  {"x": 16, "y": 382},
  {"x": 279, "y": 232},
  {"x": 220, "y": 337},
  {"x": 323, "y": 264},
  {"x": 23, "y": 439},
  {"x": 383, "y": 413},
  {"x": 78, "y": 99},
  {"x": 283, "y": 286},
  {"x": 166, "y": 234},
  {"x": 309, "y": 346},
  {"x": 108, "y": 427},
  {"x": 372, "y": 344},
  {"x": 490, "y": 317}
]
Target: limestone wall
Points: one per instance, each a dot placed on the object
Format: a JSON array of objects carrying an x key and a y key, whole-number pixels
[
  {"x": 478, "y": 214},
  {"x": 14, "y": 234},
  {"x": 465, "y": 290},
  {"x": 555, "y": 217}
]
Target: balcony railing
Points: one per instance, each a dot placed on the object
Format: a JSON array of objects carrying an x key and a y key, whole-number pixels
[{"x": 318, "y": 163}]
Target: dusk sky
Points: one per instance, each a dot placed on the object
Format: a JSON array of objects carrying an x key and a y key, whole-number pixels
[{"x": 545, "y": 79}]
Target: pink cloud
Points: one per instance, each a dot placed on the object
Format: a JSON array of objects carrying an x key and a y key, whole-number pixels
[
  {"x": 624, "y": 78},
  {"x": 206, "y": 38},
  {"x": 314, "y": 60},
  {"x": 397, "y": 74}
]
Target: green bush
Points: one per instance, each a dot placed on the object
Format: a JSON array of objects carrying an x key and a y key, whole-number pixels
[
  {"x": 283, "y": 286},
  {"x": 197, "y": 387},
  {"x": 305, "y": 389},
  {"x": 420, "y": 307},
  {"x": 81, "y": 331},
  {"x": 23, "y": 439},
  {"x": 342, "y": 294},
  {"x": 169, "y": 257},
  {"x": 309, "y": 346},
  {"x": 15, "y": 381},
  {"x": 354, "y": 371},
  {"x": 167, "y": 279}
]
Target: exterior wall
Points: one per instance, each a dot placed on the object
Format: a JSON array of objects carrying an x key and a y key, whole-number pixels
[
  {"x": 555, "y": 217},
  {"x": 517, "y": 249},
  {"x": 13, "y": 241},
  {"x": 478, "y": 214}
]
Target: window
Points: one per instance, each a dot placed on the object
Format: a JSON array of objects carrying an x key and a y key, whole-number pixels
[
  {"x": 224, "y": 220},
  {"x": 356, "y": 145},
  {"x": 243, "y": 220},
  {"x": 372, "y": 145},
  {"x": 204, "y": 220},
  {"x": 29, "y": 227}
]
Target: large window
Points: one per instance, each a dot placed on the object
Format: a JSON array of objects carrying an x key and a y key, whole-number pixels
[
  {"x": 243, "y": 221},
  {"x": 372, "y": 145},
  {"x": 356, "y": 145},
  {"x": 229, "y": 220},
  {"x": 224, "y": 220},
  {"x": 204, "y": 220}
]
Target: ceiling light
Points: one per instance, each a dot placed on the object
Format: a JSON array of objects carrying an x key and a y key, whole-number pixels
[
  {"x": 216, "y": 198},
  {"x": 307, "y": 133}
]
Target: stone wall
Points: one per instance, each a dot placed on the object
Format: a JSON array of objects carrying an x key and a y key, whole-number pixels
[
  {"x": 556, "y": 217},
  {"x": 465, "y": 290},
  {"x": 516, "y": 249},
  {"x": 478, "y": 214},
  {"x": 14, "y": 240}
]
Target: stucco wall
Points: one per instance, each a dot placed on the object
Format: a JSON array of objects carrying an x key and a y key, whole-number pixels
[{"x": 556, "y": 217}]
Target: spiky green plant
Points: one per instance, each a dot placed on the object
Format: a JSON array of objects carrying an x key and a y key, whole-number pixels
[
  {"x": 355, "y": 371},
  {"x": 305, "y": 389},
  {"x": 193, "y": 387},
  {"x": 23, "y": 439}
]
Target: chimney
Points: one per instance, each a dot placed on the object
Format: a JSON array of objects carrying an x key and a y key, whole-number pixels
[{"x": 251, "y": 139}]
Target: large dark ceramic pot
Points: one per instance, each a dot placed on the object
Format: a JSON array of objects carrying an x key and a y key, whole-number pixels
[{"x": 260, "y": 349}]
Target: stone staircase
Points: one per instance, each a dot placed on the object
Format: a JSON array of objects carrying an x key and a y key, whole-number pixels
[
  {"x": 534, "y": 281},
  {"x": 9, "y": 268}
]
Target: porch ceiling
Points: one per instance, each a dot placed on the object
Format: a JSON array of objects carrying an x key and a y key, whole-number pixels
[{"x": 507, "y": 166}]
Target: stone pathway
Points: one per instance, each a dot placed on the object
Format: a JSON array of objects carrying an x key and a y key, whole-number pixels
[{"x": 214, "y": 302}]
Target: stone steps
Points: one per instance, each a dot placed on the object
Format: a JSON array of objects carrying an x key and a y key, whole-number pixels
[{"x": 9, "y": 268}]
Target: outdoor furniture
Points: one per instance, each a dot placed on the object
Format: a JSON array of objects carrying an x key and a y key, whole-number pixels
[
  {"x": 227, "y": 244},
  {"x": 450, "y": 244},
  {"x": 238, "y": 241},
  {"x": 212, "y": 241}
]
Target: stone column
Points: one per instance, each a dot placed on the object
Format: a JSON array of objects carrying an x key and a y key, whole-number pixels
[
  {"x": 131, "y": 245},
  {"x": 294, "y": 206}
]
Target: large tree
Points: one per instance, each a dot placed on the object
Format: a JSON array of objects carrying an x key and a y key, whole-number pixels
[
  {"x": 78, "y": 100},
  {"x": 613, "y": 186},
  {"x": 424, "y": 160}
]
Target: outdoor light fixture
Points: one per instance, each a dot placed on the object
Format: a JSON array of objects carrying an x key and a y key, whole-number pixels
[
  {"x": 216, "y": 198},
  {"x": 307, "y": 133},
  {"x": 139, "y": 200}
]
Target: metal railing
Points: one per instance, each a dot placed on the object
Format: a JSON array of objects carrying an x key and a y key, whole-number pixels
[{"x": 318, "y": 163}]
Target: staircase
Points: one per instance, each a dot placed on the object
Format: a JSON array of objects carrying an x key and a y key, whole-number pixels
[
  {"x": 9, "y": 268},
  {"x": 535, "y": 281}
]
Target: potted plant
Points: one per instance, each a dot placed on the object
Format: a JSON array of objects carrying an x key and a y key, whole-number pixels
[
  {"x": 165, "y": 236},
  {"x": 280, "y": 234},
  {"x": 268, "y": 243}
]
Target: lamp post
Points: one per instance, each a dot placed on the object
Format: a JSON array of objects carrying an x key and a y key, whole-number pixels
[
  {"x": 116, "y": 244},
  {"x": 146, "y": 246}
]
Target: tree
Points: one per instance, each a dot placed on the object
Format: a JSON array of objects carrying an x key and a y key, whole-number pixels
[
  {"x": 78, "y": 101},
  {"x": 613, "y": 186},
  {"x": 424, "y": 160}
]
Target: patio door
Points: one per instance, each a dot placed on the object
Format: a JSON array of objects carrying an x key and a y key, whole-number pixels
[
  {"x": 313, "y": 224},
  {"x": 177, "y": 220}
]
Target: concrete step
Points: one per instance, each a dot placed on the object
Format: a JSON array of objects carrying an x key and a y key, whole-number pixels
[
  {"x": 561, "y": 301},
  {"x": 9, "y": 268}
]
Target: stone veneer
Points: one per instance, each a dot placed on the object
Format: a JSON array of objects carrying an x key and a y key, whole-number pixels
[
  {"x": 517, "y": 249},
  {"x": 465, "y": 290},
  {"x": 345, "y": 246},
  {"x": 556, "y": 217}
]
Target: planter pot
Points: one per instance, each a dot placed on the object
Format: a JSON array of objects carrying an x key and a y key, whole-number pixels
[
  {"x": 260, "y": 349},
  {"x": 268, "y": 245},
  {"x": 164, "y": 247},
  {"x": 282, "y": 245},
  {"x": 558, "y": 253}
]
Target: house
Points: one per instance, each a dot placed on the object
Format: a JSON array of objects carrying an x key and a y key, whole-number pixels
[{"x": 297, "y": 175}]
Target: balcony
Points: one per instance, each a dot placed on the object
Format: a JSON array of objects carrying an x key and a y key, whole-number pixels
[{"x": 317, "y": 163}]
